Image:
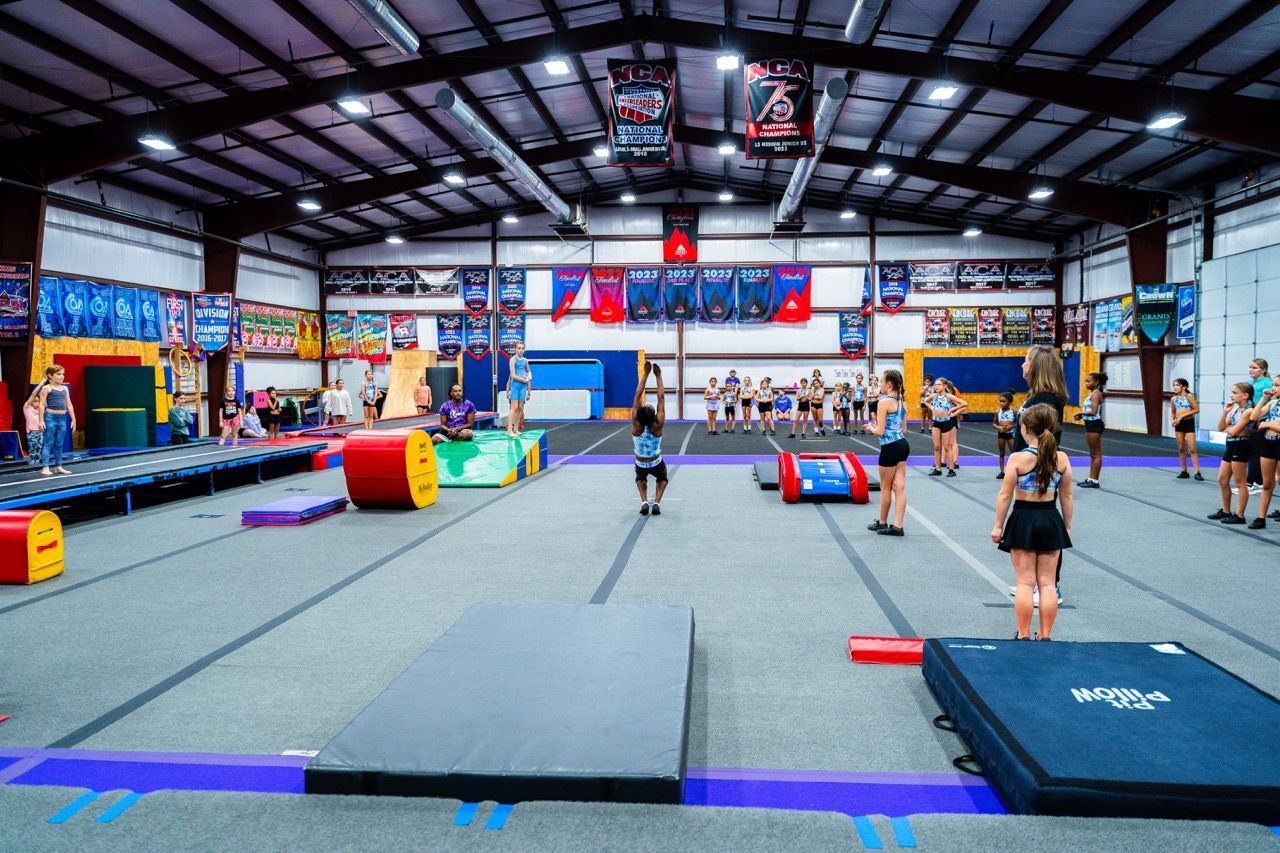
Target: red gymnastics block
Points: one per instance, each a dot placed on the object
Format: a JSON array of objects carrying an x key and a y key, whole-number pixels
[
  {"x": 788, "y": 477},
  {"x": 902, "y": 651},
  {"x": 858, "y": 491},
  {"x": 390, "y": 469}
]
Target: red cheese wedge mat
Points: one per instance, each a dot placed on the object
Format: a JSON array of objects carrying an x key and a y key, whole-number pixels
[{"x": 904, "y": 651}]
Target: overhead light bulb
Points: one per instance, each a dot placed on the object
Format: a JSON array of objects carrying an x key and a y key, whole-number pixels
[
  {"x": 881, "y": 170},
  {"x": 454, "y": 178},
  {"x": 727, "y": 149},
  {"x": 727, "y": 61},
  {"x": 601, "y": 151},
  {"x": 1164, "y": 121},
  {"x": 942, "y": 91},
  {"x": 847, "y": 214},
  {"x": 1040, "y": 192},
  {"x": 726, "y": 195},
  {"x": 156, "y": 142},
  {"x": 628, "y": 197},
  {"x": 510, "y": 218},
  {"x": 353, "y": 106},
  {"x": 394, "y": 239},
  {"x": 556, "y": 66},
  {"x": 309, "y": 204},
  {"x": 973, "y": 231}
]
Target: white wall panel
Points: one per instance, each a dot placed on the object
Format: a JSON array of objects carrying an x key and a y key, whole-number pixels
[
  {"x": 745, "y": 251},
  {"x": 578, "y": 332},
  {"x": 538, "y": 290},
  {"x": 945, "y": 247},
  {"x": 414, "y": 253},
  {"x": 897, "y": 332},
  {"x": 572, "y": 253},
  {"x": 965, "y": 299},
  {"x": 1181, "y": 261},
  {"x": 834, "y": 249},
  {"x": 91, "y": 247},
  {"x": 1124, "y": 413},
  {"x": 264, "y": 280},
  {"x": 629, "y": 252},
  {"x": 1246, "y": 229},
  {"x": 883, "y": 364},
  {"x": 261, "y": 372},
  {"x": 395, "y": 304},
  {"x": 1072, "y": 289},
  {"x": 837, "y": 287},
  {"x": 624, "y": 220},
  {"x": 1123, "y": 373},
  {"x": 735, "y": 219},
  {"x": 1106, "y": 274},
  {"x": 820, "y": 334}
]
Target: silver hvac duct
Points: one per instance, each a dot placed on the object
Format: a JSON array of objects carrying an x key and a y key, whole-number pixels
[
  {"x": 500, "y": 151},
  {"x": 862, "y": 20},
  {"x": 394, "y": 29},
  {"x": 823, "y": 123}
]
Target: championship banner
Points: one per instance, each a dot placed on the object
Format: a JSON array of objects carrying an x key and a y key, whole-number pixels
[
  {"x": 791, "y": 293},
  {"x": 436, "y": 282},
  {"x": 124, "y": 314},
  {"x": 1128, "y": 329},
  {"x": 289, "y": 334},
  {"x": 641, "y": 110},
  {"x": 15, "y": 301},
  {"x": 75, "y": 308},
  {"x": 238, "y": 337},
  {"x": 397, "y": 282},
  {"x": 210, "y": 319},
  {"x": 1073, "y": 327},
  {"x": 99, "y": 311},
  {"x": 510, "y": 333},
  {"x": 1044, "y": 329},
  {"x": 448, "y": 335},
  {"x": 853, "y": 334},
  {"x": 1100, "y": 316},
  {"x": 475, "y": 289},
  {"x": 149, "y": 325},
  {"x": 990, "y": 333},
  {"x": 980, "y": 276},
  {"x": 346, "y": 282},
  {"x": 404, "y": 331},
  {"x": 715, "y": 292},
  {"x": 1155, "y": 305},
  {"x": 932, "y": 277},
  {"x": 339, "y": 336},
  {"x": 566, "y": 282},
  {"x": 679, "y": 233},
  {"x": 48, "y": 309},
  {"x": 868, "y": 302},
  {"x": 644, "y": 294},
  {"x": 309, "y": 346},
  {"x": 1115, "y": 313},
  {"x": 371, "y": 335},
  {"x": 245, "y": 329},
  {"x": 680, "y": 293},
  {"x": 963, "y": 327},
  {"x": 511, "y": 289},
  {"x": 893, "y": 286},
  {"x": 1030, "y": 276},
  {"x": 477, "y": 337},
  {"x": 608, "y": 285},
  {"x": 175, "y": 316},
  {"x": 1186, "y": 329},
  {"x": 779, "y": 99},
  {"x": 936, "y": 323},
  {"x": 753, "y": 285},
  {"x": 1015, "y": 326}
]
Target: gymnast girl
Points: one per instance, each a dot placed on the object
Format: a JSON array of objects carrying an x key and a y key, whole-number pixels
[
  {"x": 1091, "y": 415},
  {"x": 888, "y": 424},
  {"x": 1004, "y": 424},
  {"x": 1266, "y": 419},
  {"x": 943, "y": 406},
  {"x": 1183, "y": 408},
  {"x": 802, "y": 409},
  {"x": 1236, "y": 420}
]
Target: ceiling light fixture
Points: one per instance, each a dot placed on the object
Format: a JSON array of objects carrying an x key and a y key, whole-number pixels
[
  {"x": 556, "y": 66},
  {"x": 973, "y": 231},
  {"x": 847, "y": 214},
  {"x": 1166, "y": 120},
  {"x": 454, "y": 178},
  {"x": 601, "y": 151},
  {"x": 727, "y": 149},
  {"x": 510, "y": 218},
  {"x": 156, "y": 142},
  {"x": 727, "y": 61},
  {"x": 309, "y": 204},
  {"x": 394, "y": 239},
  {"x": 943, "y": 90},
  {"x": 881, "y": 170},
  {"x": 628, "y": 197},
  {"x": 353, "y": 106},
  {"x": 726, "y": 195},
  {"x": 1040, "y": 193}
]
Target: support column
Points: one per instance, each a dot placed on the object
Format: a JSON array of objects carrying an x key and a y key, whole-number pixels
[
  {"x": 1148, "y": 249},
  {"x": 21, "y": 239},
  {"x": 221, "y": 271},
  {"x": 871, "y": 283}
]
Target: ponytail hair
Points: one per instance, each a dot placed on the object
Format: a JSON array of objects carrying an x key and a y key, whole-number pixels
[
  {"x": 1041, "y": 420},
  {"x": 892, "y": 378},
  {"x": 1184, "y": 383},
  {"x": 1101, "y": 379},
  {"x": 1246, "y": 389}
]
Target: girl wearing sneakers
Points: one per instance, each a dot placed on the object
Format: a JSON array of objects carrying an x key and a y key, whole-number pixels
[
  {"x": 1091, "y": 415},
  {"x": 1266, "y": 419},
  {"x": 943, "y": 406},
  {"x": 817, "y": 391},
  {"x": 711, "y": 394},
  {"x": 888, "y": 424},
  {"x": 1183, "y": 409},
  {"x": 859, "y": 404},
  {"x": 1004, "y": 424},
  {"x": 747, "y": 397},
  {"x": 802, "y": 409},
  {"x": 764, "y": 402},
  {"x": 1235, "y": 421}
]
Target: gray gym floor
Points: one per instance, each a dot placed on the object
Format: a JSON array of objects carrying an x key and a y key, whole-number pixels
[{"x": 176, "y": 633}]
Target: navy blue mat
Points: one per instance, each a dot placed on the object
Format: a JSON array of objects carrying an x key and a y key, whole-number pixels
[{"x": 1111, "y": 729}]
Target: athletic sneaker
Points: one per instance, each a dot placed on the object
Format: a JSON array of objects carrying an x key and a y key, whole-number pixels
[
  {"x": 644, "y": 508},
  {"x": 1258, "y": 524},
  {"x": 890, "y": 530},
  {"x": 1232, "y": 519},
  {"x": 1198, "y": 477},
  {"x": 773, "y": 432},
  {"x": 1058, "y": 590},
  {"x": 1000, "y": 476},
  {"x": 1183, "y": 476},
  {"x": 1255, "y": 488},
  {"x": 936, "y": 472},
  {"x": 951, "y": 473},
  {"x": 1090, "y": 484},
  {"x": 876, "y": 526},
  {"x": 656, "y": 510},
  {"x": 1234, "y": 490},
  {"x": 1218, "y": 515},
  {"x": 1275, "y": 514}
]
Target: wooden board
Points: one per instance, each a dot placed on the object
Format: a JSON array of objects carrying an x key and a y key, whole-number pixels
[{"x": 407, "y": 367}]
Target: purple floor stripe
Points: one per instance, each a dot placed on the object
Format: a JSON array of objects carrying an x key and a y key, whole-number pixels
[
  {"x": 868, "y": 461},
  {"x": 848, "y": 798},
  {"x": 744, "y": 774},
  {"x": 147, "y": 776}
]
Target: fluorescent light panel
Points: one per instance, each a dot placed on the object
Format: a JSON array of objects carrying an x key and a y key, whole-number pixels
[
  {"x": 727, "y": 149},
  {"x": 882, "y": 170},
  {"x": 395, "y": 239},
  {"x": 556, "y": 66},
  {"x": 944, "y": 90},
  {"x": 973, "y": 231},
  {"x": 156, "y": 143},
  {"x": 353, "y": 107},
  {"x": 309, "y": 204},
  {"x": 847, "y": 214},
  {"x": 510, "y": 218},
  {"x": 1167, "y": 120},
  {"x": 601, "y": 151},
  {"x": 1039, "y": 193},
  {"x": 726, "y": 195},
  {"x": 727, "y": 61},
  {"x": 454, "y": 178},
  {"x": 628, "y": 197}
]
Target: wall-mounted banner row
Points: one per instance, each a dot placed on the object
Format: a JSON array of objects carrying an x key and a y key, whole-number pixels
[
  {"x": 1113, "y": 325},
  {"x": 897, "y": 279},
  {"x": 363, "y": 336},
  {"x": 399, "y": 281},
  {"x": 1016, "y": 326}
]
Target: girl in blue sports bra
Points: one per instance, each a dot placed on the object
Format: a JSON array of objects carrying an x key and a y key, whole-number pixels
[
  {"x": 1004, "y": 422},
  {"x": 1183, "y": 409},
  {"x": 888, "y": 425},
  {"x": 1235, "y": 420},
  {"x": 1035, "y": 533},
  {"x": 1091, "y": 415},
  {"x": 1266, "y": 422},
  {"x": 943, "y": 406}
]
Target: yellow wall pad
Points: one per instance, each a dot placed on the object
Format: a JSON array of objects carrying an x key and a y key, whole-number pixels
[{"x": 407, "y": 367}]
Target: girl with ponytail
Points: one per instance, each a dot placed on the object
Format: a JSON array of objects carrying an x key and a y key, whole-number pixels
[
  {"x": 1035, "y": 533},
  {"x": 1091, "y": 415}
]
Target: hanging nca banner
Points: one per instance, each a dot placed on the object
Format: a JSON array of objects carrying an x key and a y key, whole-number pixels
[
  {"x": 75, "y": 307},
  {"x": 608, "y": 289},
  {"x": 1186, "y": 330},
  {"x": 15, "y": 301},
  {"x": 1036, "y": 276},
  {"x": 754, "y": 294},
  {"x": 510, "y": 333},
  {"x": 932, "y": 277},
  {"x": 641, "y": 110},
  {"x": 990, "y": 333},
  {"x": 715, "y": 292},
  {"x": 339, "y": 336},
  {"x": 404, "y": 331},
  {"x": 210, "y": 320},
  {"x": 511, "y": 289},
  {"x": 853, "y": 334},
  {"x": 1044, "y": 328},
  {"x": 679, "y": 233},
  {"x": 395, "y": 282},
  {"x": 344, "y": 282},
  {"x": 149, "y": 325},
  {"x": 475, "y": 289},
  {"x": 644, "y": 294},
  {"x": 867, "y": 300},
  {"x": 963, "y": 327},
  {"x": 477, "y": 337},
  {"x": 371, "y": 334},
  {"x": 980, "y": 275},
  {"x": 441, "y": 282},
  {"x": 1155, "y": 305},
  {"x": 680, "y": 293},
  {"x": 936, "y": 323},
  {"x": 792, "y": 285},
  {"x": 893, "y": 286},
  {"x": 566, "y": 282},
  {"x": 175, "y": 315},
  {"x": 779, "y": 100},
  {"x": 448, "y": 335}
]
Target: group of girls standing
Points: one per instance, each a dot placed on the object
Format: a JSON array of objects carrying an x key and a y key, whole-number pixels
[
  {"x": 943, "y": 406},
  {"x": 1251, "y": 421},
  {"x": 737, "y": 394},
  {"x": 810, "y": 400}
]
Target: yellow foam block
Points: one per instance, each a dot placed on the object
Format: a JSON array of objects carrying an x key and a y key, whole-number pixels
[{"x": 31, "y": 546}]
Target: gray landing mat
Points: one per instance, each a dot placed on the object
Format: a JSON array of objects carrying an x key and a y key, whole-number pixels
[
  {"x": 766, "y": 474},
  {"x": 529, "y": 702}
]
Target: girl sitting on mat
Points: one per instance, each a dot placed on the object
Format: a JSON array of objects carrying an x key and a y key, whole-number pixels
[
  {"x": 1035, "y": 534},
  {"x": 229, "y": 416},
  {"x": 369, "y": 395},
  {"x": 518, "y": 382},
  {"x": 1003, "y": 422},
  {"x": 647, "y": 424},
  {"x": 1091, "y": 415},
  {"x": 888, "y": 424},
  {"x": 711, "y": 395},
  {"x": 1183, "y": 408}
]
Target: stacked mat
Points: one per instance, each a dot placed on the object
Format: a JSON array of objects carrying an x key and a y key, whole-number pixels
[{"x": 290, "y": 512}]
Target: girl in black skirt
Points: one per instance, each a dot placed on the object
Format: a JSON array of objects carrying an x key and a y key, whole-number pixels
[{"x": 1035, "y": 534}]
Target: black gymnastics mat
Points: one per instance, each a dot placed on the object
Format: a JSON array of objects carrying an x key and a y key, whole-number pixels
[
  {"x": 1111, "y": 729},
  {"x": 529, "y": 702},
  {"x": 766, "y": 474}
]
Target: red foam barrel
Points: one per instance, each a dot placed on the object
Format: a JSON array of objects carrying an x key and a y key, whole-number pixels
[{"x": 390, "y": 469}]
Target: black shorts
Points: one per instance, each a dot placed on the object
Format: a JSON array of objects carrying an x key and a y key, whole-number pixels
[
  {"x": 657, "y": 472},
  {"x": 1185, "y": 425},
  {"x": 1238, "y": 450},
  {"x": 765, "y": 408},
  {"x": 1094, "y": 426},
  {"x": 857, "y": 405},
  {"x": 369, "y": 405},
  {"x": 944, "y": 426},
  {"x": 802, "y": 406},
  {"x": 894, "y": 453},
  {"x": 730, "y": 411},
  {"x": 1269, "y": 448},
  {"x": 746, "y": 404},
  {"x": 871, "y": 407}
]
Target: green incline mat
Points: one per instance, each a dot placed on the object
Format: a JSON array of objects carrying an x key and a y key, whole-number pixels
[{"x": 491, "y": 459}]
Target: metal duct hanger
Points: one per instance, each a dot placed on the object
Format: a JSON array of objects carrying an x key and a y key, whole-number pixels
[{"x": 824, "y": 121}]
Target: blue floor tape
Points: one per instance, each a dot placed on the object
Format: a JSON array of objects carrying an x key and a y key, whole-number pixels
[
  {"x": 499, "y": 817},
  {"x": 80, "y": 802},
  {"x": 902, "y": 834},
  {"x": 121, "y": 806},
  {"x": 867, "y": 833},
  {"x": 466, "y": 813}
]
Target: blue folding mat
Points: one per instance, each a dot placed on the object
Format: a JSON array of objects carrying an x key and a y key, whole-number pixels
[
  {"x": 1150, "y": 730},
  {"x": 295, "y": 510}
]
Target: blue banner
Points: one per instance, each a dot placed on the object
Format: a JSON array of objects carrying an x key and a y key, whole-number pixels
[
  {"x": 175, "y": 314},
  {"x": 511, "y": 289},
  {"x": 211, "y": 320},
  {"x": 1100, "y": 315},
  {"x": 894, "y": 285},
  {"x": 75, "y": 307},
  {"x": 510, "y": 333},
  {"x": 680, "y": 293},
  {"x": 448, "y": 335},
  {"x": 49, "y": 309},
  {"x": 644, "y": 294},
  {"x": 853, "y": 334},
  {"x": 475, "y": 289},
  {"x": 101, "y": 310},
  {"x": 477, "y": 337},
  {"x": 124, "y": 314},
  {"x": 566, "y": 282},
  {"x": 150, "y": 327},
  {"x": 1186, "y": 330},
  {"x": 15, "y": 301},
  {"x": 1154, "y": 308},
  {"x": 1115, "y": 320},
  {"x": 754, "y": 286},
  {"x": 867, "y": 305},
  {"x": 715, "y": 289}
]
